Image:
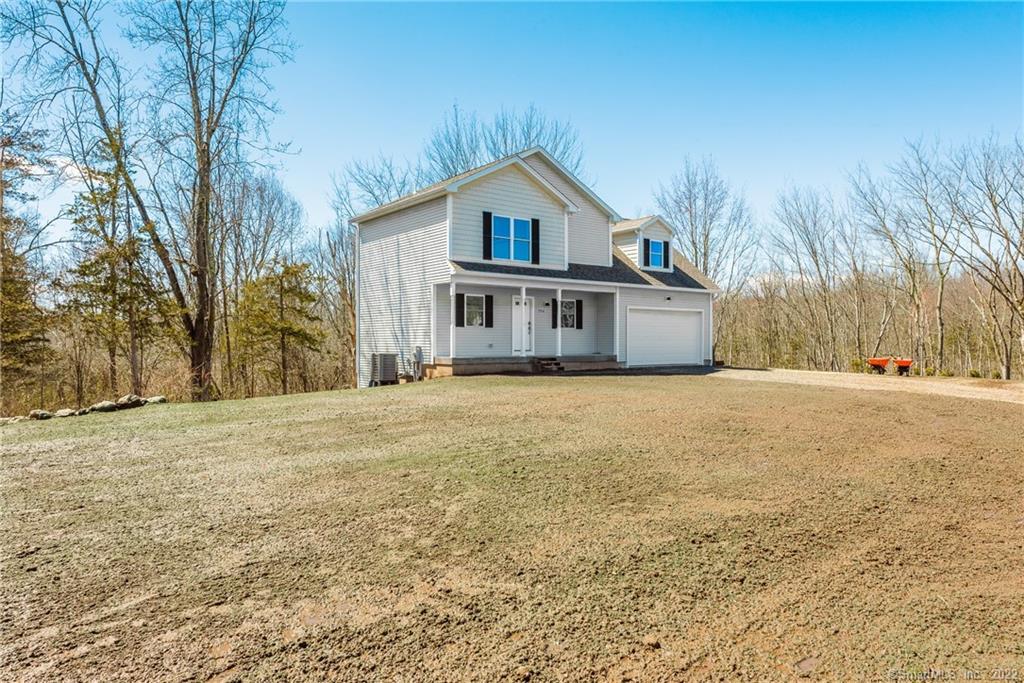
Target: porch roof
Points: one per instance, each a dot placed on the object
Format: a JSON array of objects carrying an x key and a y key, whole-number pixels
[{"x": 621, "y": 272}]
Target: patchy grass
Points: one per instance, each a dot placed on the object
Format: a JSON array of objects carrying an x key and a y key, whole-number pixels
[{"x": 488, "y": 528}]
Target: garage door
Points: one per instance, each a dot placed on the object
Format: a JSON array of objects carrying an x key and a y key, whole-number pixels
[{"x": 664, "y": 337}]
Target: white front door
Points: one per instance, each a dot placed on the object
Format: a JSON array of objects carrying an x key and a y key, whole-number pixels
[{"x": 522, "y": 325}]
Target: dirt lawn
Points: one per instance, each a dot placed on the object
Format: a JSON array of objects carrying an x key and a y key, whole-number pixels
[{"x": 654, "y": 528}]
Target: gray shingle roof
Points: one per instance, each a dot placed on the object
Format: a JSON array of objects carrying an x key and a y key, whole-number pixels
[
  {"x": 620, "y": 272},
  {"x": 677, "y": 278}
]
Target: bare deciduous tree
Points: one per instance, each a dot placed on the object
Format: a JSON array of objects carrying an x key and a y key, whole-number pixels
[
  {"x": 714, "y": 230},
  {"x": 512, "y": 131},
  {"x": 807, "y": 252},
  {"x": 459, "y": 143},
  {"x": 986, "y": 191},
  {"x": 208, "y": 88}
]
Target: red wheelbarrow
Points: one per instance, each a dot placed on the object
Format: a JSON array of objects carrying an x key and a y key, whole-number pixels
[
  {"x": 903, "y": 365},
  {"x": 878, "y": 364}
]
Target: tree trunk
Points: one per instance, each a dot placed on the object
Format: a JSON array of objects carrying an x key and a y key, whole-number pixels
[
  {"x": 112, "y": 368},
  {"x": 940, "y": 362},
  {"x": 201, "y": 342},
  {"x": 133, "y": 336},
  {"x": 229, "y": 370},
  {"x": 284, "y": 339}
]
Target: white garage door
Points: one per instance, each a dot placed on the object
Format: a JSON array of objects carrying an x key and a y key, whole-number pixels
[{"x": 664, "y": 337}]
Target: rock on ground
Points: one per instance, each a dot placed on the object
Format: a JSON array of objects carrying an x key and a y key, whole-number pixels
[
  {"x": 156, "y": 399},
  {"x": 103, "y": 407},
  {"x": 40, "y": 414},
  {"x": 65, "y": 412},
  {"x": 82, "y": 411},
  {"x": 130, "y": 401}
]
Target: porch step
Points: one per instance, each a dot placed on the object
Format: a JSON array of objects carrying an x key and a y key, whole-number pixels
[{"x": 547, "y": 365}]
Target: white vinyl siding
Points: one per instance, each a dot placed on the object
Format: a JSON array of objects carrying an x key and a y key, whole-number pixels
[
  {"x": 543, "y": 336},
  {"x": 400, "y": 256},
  {"x": 508, "y": 192},
  {"x": 626, "y": 241},
  {"x": 597, "y": 335},
  {"x": 589, "y": 240},
  {"x": 581, "y": 342},
  {"x": 442, "y": 320},
  {"x": 484, "y": 342},
  {"x": 659, "y": 299},
  {"x": 606, "y": 324},
  {"x": 656, "y": 231}
]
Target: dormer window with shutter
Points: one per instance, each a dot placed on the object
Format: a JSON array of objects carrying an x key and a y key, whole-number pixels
[{"x": 657, "y": 254}]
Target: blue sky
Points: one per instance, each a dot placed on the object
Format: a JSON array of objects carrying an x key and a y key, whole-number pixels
[{"x": 778, "y": 94}]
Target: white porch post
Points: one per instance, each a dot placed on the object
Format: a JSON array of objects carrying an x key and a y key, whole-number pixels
[
  {"x": 522, "y": 314},
  {"x": 558, "y": 322},
  {"x": 451, "y": 322},
  {"x": 617, "y": 325}
]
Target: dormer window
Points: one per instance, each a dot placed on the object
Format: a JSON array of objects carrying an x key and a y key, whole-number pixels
[
  {"x": 657, "y": 254},
  {"x": 511, "y": 238}
]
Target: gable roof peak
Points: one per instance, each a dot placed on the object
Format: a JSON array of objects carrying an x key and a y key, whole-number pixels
[
  {"x": 612, "y": 214},
  {"x": 640, "y": 223}
]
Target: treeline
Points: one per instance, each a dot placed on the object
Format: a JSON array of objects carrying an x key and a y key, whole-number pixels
[
  {"x": 924, "y": 261},
  {"x": 91, "y": 317}
]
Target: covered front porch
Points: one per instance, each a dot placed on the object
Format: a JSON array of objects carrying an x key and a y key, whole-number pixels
[{"x": 479, "y": 326}]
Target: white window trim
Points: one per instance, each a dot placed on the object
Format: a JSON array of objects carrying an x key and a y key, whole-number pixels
[
  {"x": 512, "y": 239},
  {"x": 666, "y": 259},
  {"x": 465, "y": 309},
  {"x": 661, "y": 247}
]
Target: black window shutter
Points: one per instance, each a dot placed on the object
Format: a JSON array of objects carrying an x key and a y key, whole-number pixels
[
  {"x": 488, "y": 310},
  {"x": 554, "y": 313},
  {"x": 535, "y": 240},
  {"x": 579, "y": 314},
  {"x": 647, "y": 253},
  {"x": 666, "y": 255},
  {"x": 487, "y": 235},
  {"x": 460, "y": 310}
]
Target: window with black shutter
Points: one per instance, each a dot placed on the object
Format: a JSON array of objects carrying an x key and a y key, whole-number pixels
[{"x": 572, "y": 310}]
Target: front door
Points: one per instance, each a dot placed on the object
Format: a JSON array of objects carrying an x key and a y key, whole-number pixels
[{"x": 522, "y": 325}]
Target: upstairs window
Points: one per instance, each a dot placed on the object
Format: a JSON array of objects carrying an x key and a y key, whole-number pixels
[
  {"x": 511, "y": 239},
  {"x": 657, "y": 254}
]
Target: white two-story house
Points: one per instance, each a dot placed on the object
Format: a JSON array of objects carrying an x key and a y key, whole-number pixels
[{"x": 518, "y": 265}]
